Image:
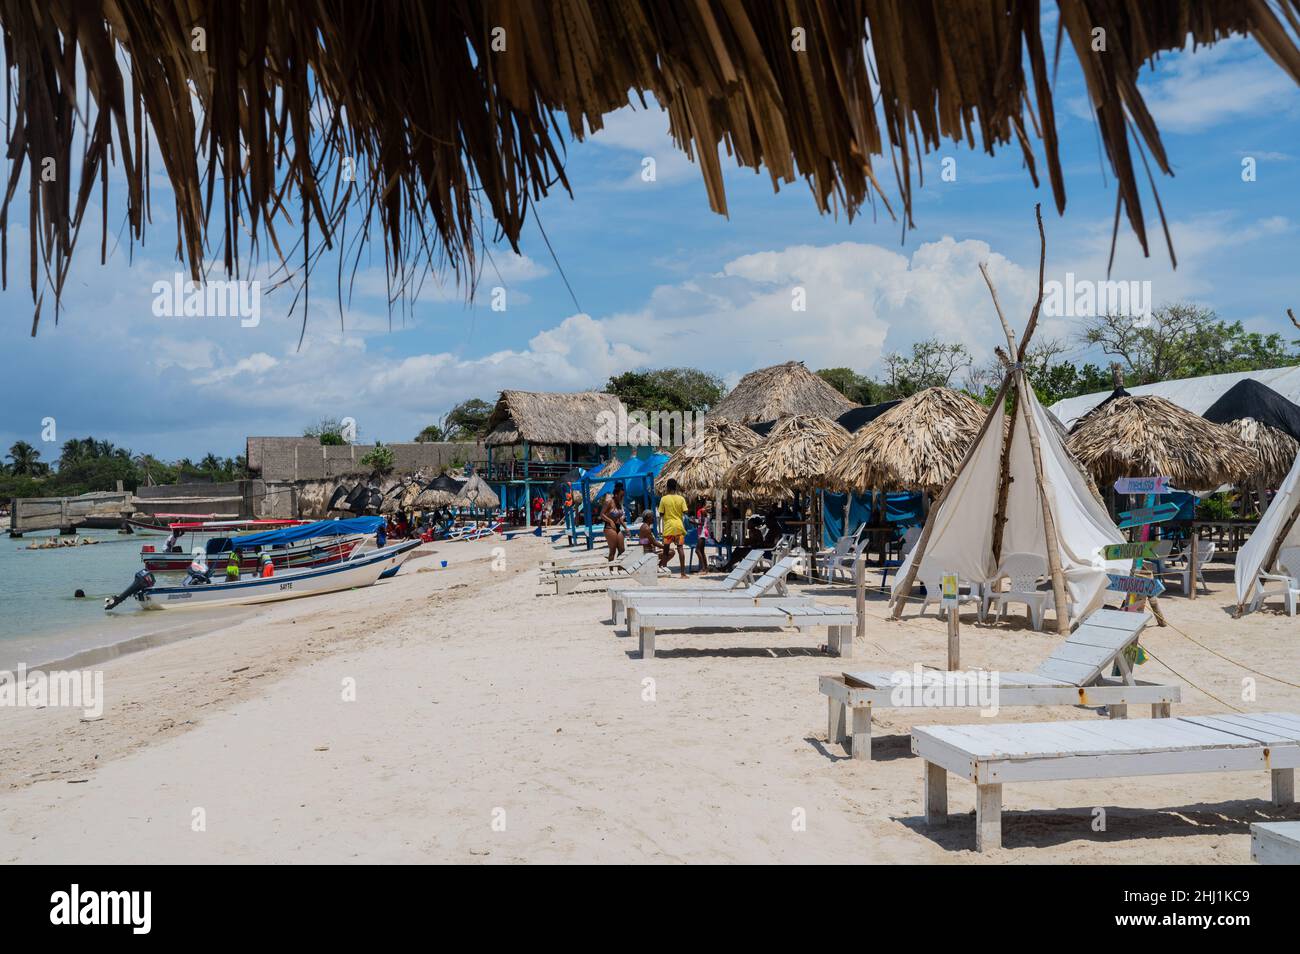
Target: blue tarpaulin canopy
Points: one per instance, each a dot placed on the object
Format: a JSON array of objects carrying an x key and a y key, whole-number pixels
[
  {"x": 308, "y": 531},
  {"x": 636, "y": 475}
]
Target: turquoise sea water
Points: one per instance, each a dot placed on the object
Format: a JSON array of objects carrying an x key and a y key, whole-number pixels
[{"x": 40, "y": 619}]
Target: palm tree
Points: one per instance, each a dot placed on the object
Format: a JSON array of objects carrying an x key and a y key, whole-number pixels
[{"x": 26, "y": 460}]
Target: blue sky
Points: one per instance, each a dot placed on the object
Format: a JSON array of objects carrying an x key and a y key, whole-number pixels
[{"x": 663, "y": 281}]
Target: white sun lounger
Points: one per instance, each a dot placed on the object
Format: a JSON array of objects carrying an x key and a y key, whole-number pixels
[
  {"x": 645, "y": 621},
  {"x": 1275, "y": 843},
  {"x": 992, "y": 755},
  {"x": 1075, "y": 674},
  {"x": 643, "y": 569},
  {"x": 771, "y": 583}
]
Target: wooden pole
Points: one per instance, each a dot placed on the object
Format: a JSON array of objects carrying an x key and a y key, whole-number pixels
[
  {"x": 918, "y": 552},
  {"x": 1191, "y": 567},
  {"x": 954, "y": 639},
  {"x": 860, "y": 584},
  {"x": 1049, "y": 520}
]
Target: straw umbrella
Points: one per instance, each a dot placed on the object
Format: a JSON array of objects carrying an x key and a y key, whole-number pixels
[
  {"x": 1147, "y": 436},
  {"x": 780, "y": 391},
  {"x": 439, "y": 492},
  {"x": 916, "y": 445},
  {"x": 795, "y": 458},
  {"x": 477, "y": 493},
  {"x": 700, "y": 465}
]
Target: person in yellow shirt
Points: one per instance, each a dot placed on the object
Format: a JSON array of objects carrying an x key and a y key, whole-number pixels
[{"x": 672, "y": 506}]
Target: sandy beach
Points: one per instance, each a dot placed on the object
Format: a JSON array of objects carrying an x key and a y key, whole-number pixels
[{"x": 494, "y": 725}]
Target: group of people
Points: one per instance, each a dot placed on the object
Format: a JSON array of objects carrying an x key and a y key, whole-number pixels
[
  {"x": 673, "y": 512},
  {"x": 199, "y": 572}
]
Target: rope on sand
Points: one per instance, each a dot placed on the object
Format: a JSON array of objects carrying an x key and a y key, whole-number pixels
[
  {"x": 1231, "y": 660},
  {"x": 1198, "y": 688}
]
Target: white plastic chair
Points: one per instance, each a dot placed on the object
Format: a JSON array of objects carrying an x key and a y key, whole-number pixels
[
  {"x": 910, "y": 536},
  {"x": 1287, "y": 582},
  {"x": 1180, "y": 569},
  {"x": 1025, "y": 571},
  {"x": 934, "y": 594}
]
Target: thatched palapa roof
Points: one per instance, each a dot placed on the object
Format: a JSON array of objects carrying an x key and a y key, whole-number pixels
[
  {"x": 916, "y": 445},
  {"x": 796, "y": 456},
  {"x": 477, "y": 493},
  {"x": 1147, "y": 436},
  {"x": 700, "y": 465},
  {"x": 554, "y": 417},
  {"x": 780, "y": 391},
  {"x": 455, "y": 112},
  {"x": 1276, "y": 450}
]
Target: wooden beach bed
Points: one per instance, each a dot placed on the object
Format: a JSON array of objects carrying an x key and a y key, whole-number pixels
[
  {"x": 645, "y": 621},
  {"x": 730, "y": 590},
  {"x": 992, "y": 755},
  {"x": 1275, "y": 843},
  {"x": 1075, "y": 674}
]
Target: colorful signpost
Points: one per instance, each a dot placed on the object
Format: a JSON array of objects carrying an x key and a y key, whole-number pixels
[
  {"x": 1135, "y": 585},
  {"x": 1142, "y": 485},
  {"x": 1145, "y": 516},
  {"x": 1138, "y": 550}
]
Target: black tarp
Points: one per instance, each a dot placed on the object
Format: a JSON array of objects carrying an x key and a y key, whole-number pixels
[{"x": 1249, "y": 398}]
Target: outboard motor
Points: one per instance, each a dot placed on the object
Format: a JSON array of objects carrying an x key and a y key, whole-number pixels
[
  {"x": 193, "y": 578},
  {"x": 143, "y": 581}
]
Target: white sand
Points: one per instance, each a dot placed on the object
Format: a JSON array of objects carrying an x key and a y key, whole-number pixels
[{"x": 478, "y": 701}]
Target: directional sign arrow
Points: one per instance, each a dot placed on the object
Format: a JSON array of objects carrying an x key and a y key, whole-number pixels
[
  {"x": 1140, "y": 550},
  {"x": 1146, "y": 515},
  {"x": 1142, "y": 485},
  {"x": 1141, "y": 585}
]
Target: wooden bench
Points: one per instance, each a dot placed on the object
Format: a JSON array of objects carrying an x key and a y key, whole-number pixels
[
  {"x": 645, "y": 621},
  {"x": 992, "y": 755},
  {"x": 1073, "y": 675},
  {"x": 1275, "y": 843}
]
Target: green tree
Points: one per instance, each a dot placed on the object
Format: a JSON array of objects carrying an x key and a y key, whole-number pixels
[
  {"x": 379, "y": 460},
  {"x": 1182, "y": 340},
  {"x": 467, "y": 421},
  {"x": 856, "y": 387},
  {"x": 431, "y": 434},
  {"x": 329, "y": 431},
  {"x": 667, "y": 389},
  {"x": 931, "y": 363},
  {"x": 25, "y": 460}
]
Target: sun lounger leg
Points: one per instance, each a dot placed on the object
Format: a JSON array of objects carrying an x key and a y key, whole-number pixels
[
  {"x": 861, "y": 745},
  {"x": 936, "y": 794},
  {"x": 841, "y": 640},
  {"x": 988, "y": 817},
  {"x": 1160, "y": 710},
  {"x": 615, "y": 609},
  {"x": 647, "y": 642},
  {"x": 1117, "y": 711},
  {"x": 835, "y": 729},
  {"x": 1283, "y": 786}
]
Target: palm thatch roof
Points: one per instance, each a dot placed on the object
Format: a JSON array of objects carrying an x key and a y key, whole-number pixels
[
  {"x": 1275, "y": 449},
  {"x": 454, "y": 115},
  {"x": 556, "y": 417},
  {"x": 796, "y": 456},
  {"x": 916, "y": 445},
  {"x": 477, "y": 493},
  {"x": 780, "y": 391},
  {"x": 1145, "y": 435},
  {"x": 701, "y": 464}
]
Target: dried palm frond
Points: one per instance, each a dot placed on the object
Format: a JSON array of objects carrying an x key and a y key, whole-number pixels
[
  {"x": 795, "y": 457},
  {"x": 700, "y": 465},
  {"x": 441, "y": 122},
  {"x": 916, "y": 445},
  {"x": 1145, "y": 436}
]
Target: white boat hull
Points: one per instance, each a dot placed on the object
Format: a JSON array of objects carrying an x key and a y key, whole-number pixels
[{"x": 361, "y": 570}]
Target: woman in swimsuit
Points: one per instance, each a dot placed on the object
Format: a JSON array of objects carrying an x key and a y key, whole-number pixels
[{"x": 613, "y": 516}]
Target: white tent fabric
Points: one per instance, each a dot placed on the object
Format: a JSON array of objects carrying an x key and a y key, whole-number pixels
[
  {"x": 961, "y": 540},
  {"x": 1251, "y": 557},
  {"x": 1191, "y": 394}
]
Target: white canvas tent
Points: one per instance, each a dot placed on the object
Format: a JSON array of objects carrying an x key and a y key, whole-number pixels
[
  {"x": 961, "y": 538},
  {"x": 1277, "y": 528},
  {"x": 1018, "y": 490}
]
